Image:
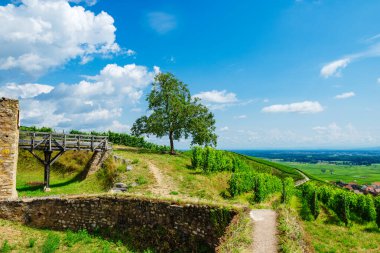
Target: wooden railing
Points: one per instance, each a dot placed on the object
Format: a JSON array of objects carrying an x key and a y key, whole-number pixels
[{"x": 58, "y": 142}]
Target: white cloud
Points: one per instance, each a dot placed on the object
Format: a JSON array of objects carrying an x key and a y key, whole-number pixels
[
  {"x": 345, "y": 95},
  {"x": 241, "y": 116},
  {"x": 39, "y": 34},
  {"x": 161, "y": 22},
  {"x": 333, "y": 68},
  {"x": 348, "y": 134},
  {"x": 130, "y": 52},
  {"x": 219, "y": 100},
  {"x": 223, "y": 129},
  {"x": 301, "y": 107},
  {"x": 90, "y": 103},
  {"x": 87, "y": 2},
  {"x": 28, "y": 90},
  {"x": 215, "y": 96}
]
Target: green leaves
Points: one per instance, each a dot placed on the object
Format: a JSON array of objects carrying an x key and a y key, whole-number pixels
[
  {"x": 176, "y": 114},
  {"x": 347, "y": 205}
]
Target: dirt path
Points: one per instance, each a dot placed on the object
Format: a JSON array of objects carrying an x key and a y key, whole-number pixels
[
  {"x": 164, "y": 185},
  {"x": 265, "y": 231},
  {"x": 302, "y": 181}
]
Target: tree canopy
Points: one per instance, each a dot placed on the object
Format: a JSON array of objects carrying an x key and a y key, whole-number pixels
[{"x": 174, "y": 113}]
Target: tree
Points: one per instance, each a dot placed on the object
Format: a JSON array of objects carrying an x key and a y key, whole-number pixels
[{"x": 176, "y": 114}]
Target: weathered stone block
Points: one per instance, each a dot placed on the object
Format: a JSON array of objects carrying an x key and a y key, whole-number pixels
[{"x": 9, "y": 134}]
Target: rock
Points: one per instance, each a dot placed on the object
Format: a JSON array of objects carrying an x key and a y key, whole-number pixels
[
  {"x": 129, "y": 167},
  {"x": 134, "y": 184},
  {"x": 120, "y": 185},
  {"x": 118, "y": 190}
]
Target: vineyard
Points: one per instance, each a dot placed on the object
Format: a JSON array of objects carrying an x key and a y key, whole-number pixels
[
  {"x": 347, "y": 206},
  {"x": 247, "y": 176}
]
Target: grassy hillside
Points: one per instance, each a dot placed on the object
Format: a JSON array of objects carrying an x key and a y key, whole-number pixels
[{"x": 277, "y": 168}]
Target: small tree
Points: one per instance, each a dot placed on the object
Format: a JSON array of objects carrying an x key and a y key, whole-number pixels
[{"x": 176, "y": 114}]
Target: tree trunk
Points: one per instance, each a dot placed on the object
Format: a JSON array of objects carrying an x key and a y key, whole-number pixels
[{"x": 172, "y": 151}]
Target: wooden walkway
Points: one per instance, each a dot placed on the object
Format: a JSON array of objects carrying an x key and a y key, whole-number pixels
[{"x": 59, "y": 143}]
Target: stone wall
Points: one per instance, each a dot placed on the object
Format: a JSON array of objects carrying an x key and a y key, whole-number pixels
[
  {"x": 9, "y": 134},
  {"x": 96, "y": 161},
  {"x": 144, "y": 223}
]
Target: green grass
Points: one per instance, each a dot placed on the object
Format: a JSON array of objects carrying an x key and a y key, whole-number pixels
[
  {"x": 327, "y": 234},
  {"x": 355, "y": 173},
  {"x": 238, "y": 237},
  {"x": 334, "y": 238},
  {"x": 63, "y": 179},
  {"x": 18, "y": 238},
  {"x": 278, "y": 169}
]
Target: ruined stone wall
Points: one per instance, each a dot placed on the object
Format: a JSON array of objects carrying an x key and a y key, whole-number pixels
[
  {"x": 163, "y": 225},
  {"x": 9, "y": 134},
  {"x": 96, "y": 161}
]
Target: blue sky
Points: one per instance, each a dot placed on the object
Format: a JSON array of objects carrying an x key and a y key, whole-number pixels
[{"x": 276, "y": 74}]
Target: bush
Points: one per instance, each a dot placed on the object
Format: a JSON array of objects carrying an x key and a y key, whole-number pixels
[
  {"x": 346, "y": 205},
  {"x": 377, "y": 206},
  {"x": 212, "y": 160},
  {"x": 310, "y": 195},
  {"x": 241, "y": 182},
  {"x": 51, "y": 243},
  {"x": 265, "y": 186},
  {"x": 288, "y": 189}
]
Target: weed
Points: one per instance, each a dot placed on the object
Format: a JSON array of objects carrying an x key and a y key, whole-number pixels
[
  {"x": 32, "y": 242},
  {"x": 5, "y": 248},
  {"x": 135, "y": 161},
  {"x": 141, "y": 180},
  {"x": 72, "y": 238},
  {"x": 173, "y": 193},
  {"x": 51, "y": 243}
]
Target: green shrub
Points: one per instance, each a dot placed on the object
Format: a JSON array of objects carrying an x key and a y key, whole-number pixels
[
  {"x": 377, "y": 206},
  {"x": 212, "y": 160},
  {"x": 310, "y": 195},
  {"x": 287, "y": 190},
  {"x": 197, "y": 157},
  {"x": 241, "y": 182},
  {"x": 51, "y": 243}
]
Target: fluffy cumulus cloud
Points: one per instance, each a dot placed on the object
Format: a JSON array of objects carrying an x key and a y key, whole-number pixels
[
  {"x": 333, "y": 68},
  {"x": 98, "y": 102},
  {"x": 28, "y": 90},
  {"x": 217, "y": 100},
  {"x": 37, "y": 35},
  {"x": 215, "y": 96},
  {"x": 345, "y": 95},
  {"x": 301, "y": 107}
]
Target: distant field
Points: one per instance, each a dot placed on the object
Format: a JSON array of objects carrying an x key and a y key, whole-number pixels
[{"x": 361, "y": 174}]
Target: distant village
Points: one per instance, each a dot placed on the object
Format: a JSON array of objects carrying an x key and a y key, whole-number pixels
[{"x": 373, "y": 189}]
